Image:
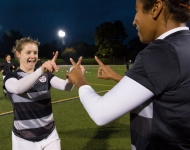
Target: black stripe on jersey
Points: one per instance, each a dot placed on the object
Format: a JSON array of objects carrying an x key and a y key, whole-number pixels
[
  {"x": 140, "y": 142},
  {"x": 140, "y": 128},
  {"x": 39, "y": 86},
  {"x": 38, "y": 109},
  {"x": 35, "y": 134}
]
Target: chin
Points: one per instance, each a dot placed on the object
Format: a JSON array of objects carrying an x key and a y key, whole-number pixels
[{"x": 145, "y": 41}]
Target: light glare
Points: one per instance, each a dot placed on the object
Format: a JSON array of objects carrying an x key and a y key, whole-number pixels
[{"x": 61, "y": 33}]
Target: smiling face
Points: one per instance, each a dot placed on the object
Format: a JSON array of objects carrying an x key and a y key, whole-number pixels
[{"x": 28, "y": 57}]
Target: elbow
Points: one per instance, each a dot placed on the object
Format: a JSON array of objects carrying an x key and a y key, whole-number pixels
[
  {"x": 18, "y": 92},
  {"x": 100, "y": 124},
  {"x": 99, "y": 121}
]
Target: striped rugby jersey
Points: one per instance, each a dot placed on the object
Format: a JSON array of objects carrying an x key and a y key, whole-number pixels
[{"x": 33, "y": 118}]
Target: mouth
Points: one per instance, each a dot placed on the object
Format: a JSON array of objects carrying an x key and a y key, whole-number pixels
[{"x": 31, "y": 61}]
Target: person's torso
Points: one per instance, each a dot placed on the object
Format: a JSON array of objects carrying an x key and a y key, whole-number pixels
[
  {"x": 167, "y": 75},
  {"x": 33, "y": 118},
  {"x": 7, "y": 67}
]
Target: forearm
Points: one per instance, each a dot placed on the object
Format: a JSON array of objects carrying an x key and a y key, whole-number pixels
[
  {"x": 117, "y": 77},
  {"x": 20, "y": 86},
  {"x": 61, "y": 84},
  {"x": 115, "y": 103}
]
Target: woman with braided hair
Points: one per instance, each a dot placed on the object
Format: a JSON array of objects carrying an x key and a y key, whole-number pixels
[{"x": 156, "y": 90}]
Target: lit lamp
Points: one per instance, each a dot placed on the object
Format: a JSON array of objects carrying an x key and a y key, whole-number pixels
[{"x": 61, "y": 33}]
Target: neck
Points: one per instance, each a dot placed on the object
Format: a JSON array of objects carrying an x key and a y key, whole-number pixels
[
  {"x": 27, "y": 70},
  {"x": 169, "y": 25}
]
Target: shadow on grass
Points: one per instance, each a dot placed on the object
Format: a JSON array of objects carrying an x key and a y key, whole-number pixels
[
  {"x": 99, "y": 138},
  {"x": 101, "y": 133},
  {"x": 4, "y": 98}
]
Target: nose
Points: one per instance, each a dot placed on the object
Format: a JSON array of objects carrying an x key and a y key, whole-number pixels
[
  {"x": 33, "y": 55},
  {"x": 134, "y": 22}
]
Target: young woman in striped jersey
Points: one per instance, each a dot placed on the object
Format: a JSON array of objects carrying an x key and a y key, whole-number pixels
[
  {"x": 160, "y": 72},
  {"x": 29, "y": 91}
]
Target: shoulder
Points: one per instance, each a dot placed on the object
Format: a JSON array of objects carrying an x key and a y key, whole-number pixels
[
  {"x": 159, "y": 53},
  {"x": 11, "y": 75},
  {"x": 158, "y": 47}
]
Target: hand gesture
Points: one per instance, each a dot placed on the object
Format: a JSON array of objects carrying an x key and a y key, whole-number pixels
[
  {"x": 50, "y": 65},
  {"x": 76, "y": 75},
  {"x": 105, "y": 72},
  {"x": 79, "y": 64}
]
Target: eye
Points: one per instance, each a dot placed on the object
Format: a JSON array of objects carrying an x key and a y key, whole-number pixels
[{"x": 28, "y": 52}]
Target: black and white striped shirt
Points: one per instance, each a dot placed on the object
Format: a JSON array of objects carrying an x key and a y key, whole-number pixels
[{"x": 33, "y": 118}]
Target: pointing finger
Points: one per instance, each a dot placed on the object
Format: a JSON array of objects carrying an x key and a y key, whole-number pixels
[
  {"x": 55, "y": 56},
  {"x": 73, "y": 62},
  {"x": 79, "y": 61},
  {"x": 99, "y": 62}
]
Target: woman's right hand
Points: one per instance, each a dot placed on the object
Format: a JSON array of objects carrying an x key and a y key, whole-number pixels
[
  {"x": 105, "y": 72},
  {"x": 50, "y": 65},
  {"x": 76, "y": 75}
]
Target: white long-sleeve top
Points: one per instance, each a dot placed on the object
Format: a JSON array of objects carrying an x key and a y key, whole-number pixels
[
  {"x": 122, "y": 98},
  {"x": 16, "y": 86}
]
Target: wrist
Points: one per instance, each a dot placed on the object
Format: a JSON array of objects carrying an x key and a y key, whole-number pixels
[
  {"x": 117, "y": 77},
  {"x": 81, "y": 83}
]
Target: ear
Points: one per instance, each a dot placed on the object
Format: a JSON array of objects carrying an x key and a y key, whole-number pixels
[
  {"x": 17, "y": 54},
  {"x": 157, "y": 9}
]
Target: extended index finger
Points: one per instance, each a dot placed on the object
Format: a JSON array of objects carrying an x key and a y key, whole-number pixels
[
  {"x": 73, "y": 62},
  {"x": 99, "y": 61},
  {"x": 55, "y": 56},
  {"x": 79, "y": 61}
]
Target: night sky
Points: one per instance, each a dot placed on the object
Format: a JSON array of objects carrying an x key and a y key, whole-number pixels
[{"x": 41, "y": 19}]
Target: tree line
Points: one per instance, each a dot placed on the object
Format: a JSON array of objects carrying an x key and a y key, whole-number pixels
[{"x": 109, "y": 43}]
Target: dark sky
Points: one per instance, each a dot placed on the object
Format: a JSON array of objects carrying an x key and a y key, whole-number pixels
[{"x": 42, "y": 19}]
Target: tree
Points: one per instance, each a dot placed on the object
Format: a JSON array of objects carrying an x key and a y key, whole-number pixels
[
  {"x": 134, "y": 47},
  {"x": 109, "y": 38},
  {"x": 91, "y": 51},
  {"x": 83, "y": 49},
  {"x": 68, "y": 53},
  {"x": 7, "y": 42},
  {"x": 48, "y": 49},
  {"x": 79, "y": 47}
]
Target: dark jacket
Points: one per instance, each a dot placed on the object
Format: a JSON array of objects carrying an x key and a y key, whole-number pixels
[{"x": 7, "y": 67}]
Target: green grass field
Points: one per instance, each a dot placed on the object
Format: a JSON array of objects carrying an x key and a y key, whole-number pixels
[{"x": 75, "y": 128}]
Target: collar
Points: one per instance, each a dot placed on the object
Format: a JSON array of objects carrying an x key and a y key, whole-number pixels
[{"x": 172, "y": 31}]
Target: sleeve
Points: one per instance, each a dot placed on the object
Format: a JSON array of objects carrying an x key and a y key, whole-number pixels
[
  {"x": 13, "y": 85},
  {"x": 156, "y": 67},
  {"x": 122, "y": 98},
  {"x": 61, "y": 84}
]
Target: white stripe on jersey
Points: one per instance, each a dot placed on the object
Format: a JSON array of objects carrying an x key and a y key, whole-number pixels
[
  {"x": 31, "y": 97},
  {"x": 33, "y": 123},
  {"x": 144, "y": 110}
]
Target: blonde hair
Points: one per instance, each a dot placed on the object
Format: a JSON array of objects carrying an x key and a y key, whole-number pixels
[{"x": 19, "y": 44}]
